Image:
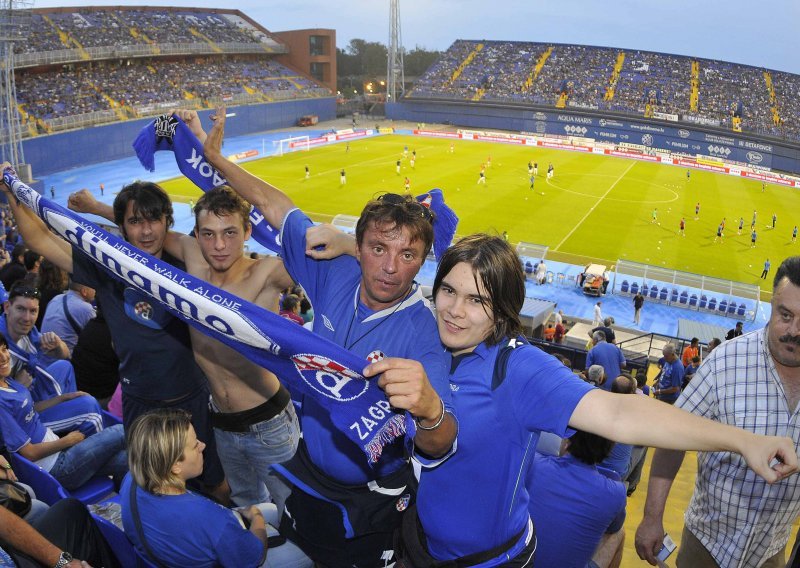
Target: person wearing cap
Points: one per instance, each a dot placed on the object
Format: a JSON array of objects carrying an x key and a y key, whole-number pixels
[{"x": 369, "y": 305}]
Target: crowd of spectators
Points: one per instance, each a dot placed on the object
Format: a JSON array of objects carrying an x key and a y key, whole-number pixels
[
  {"x": 91, "y": 27},
  {"x": 647, "y": 83},
  {"x": 90, "y": 88}
]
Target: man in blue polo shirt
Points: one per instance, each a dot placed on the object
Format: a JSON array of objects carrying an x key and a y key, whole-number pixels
[
  {"x": 608, "y": 355},
  {"x": 342, "y": 512},
  {"x": 669, "y": 381}
]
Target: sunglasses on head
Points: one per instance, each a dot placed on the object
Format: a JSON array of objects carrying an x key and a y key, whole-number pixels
[
  {"x": 411, "y": 204},
  {"x": 24, "y": 291}
]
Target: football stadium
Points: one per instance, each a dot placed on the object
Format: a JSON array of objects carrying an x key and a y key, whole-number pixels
[{"x": 184, "y": 186}]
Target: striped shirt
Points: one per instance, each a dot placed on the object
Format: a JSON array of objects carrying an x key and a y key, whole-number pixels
[{"x": 739, "y": 517}]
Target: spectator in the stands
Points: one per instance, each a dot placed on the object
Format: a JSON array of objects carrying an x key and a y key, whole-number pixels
[
  {"x": 606, "y": 328},
  {"x": 14, "y": 270},
  {"x": 52, "y": 282},
  {"x": 736, "y": 331},
  {"x": 290, "y": 309},
  {"x": 32, "y": 261},
  {"x": 670, "y": 379},
  {"x": 606, "y": 354},
  {"x": 620, "y": 457},
  {"x": 69, "y": 313},
  {"x": 690, "y": 352}
]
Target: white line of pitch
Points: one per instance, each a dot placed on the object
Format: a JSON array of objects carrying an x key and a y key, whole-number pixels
[{"x": 589, "y": 212}]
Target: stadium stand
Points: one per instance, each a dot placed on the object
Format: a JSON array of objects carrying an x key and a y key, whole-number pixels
[
  {"x": 129, "y": 63},
  {"x": 622, "y": 81}
]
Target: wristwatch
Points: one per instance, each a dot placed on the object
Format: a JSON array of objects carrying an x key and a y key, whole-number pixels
[{"x": 63, "y": 560}]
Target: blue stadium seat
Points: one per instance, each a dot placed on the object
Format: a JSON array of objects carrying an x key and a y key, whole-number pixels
[
  {"x": 116, "y": 539},
  {"x": 645, "y": 290},
  {"x": 673, "y": 297},
  {"x": 528, "y": 268},
  {"x": 635, "y": 288},
  {"x": 693, "y": 301},
  {"x": 49, "y": 490},
  {"x": 685, "y": 297},
  {"x": 703, "y": 302},
  {"x": 624, "y": 287},
  {"x": 664, "y": 294},
  {"x": 732, "y": 309},
  {"x": 741, "y": 310},
  {"x": 723, "y": 306},
  {"x": 654, "y": 292},
  {"x": 712, "y": 304}
]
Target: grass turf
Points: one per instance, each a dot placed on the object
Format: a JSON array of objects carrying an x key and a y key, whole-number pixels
[{"x": 595, "y": 207}]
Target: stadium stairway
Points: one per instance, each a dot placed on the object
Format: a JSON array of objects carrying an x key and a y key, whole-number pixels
[
  {"x": 694, "y": 98},
  {"x": 206, "y": 39},
  {"x": 612, "y": 81},
  {"x": 538, "y": 68},
  {"x": 460, "y": 69}
]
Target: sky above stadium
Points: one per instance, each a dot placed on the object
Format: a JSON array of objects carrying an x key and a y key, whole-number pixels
[{"x": 749, "y": 32}]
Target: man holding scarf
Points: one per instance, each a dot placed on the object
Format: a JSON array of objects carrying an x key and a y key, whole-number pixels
[{"x": 342, "y": 512}]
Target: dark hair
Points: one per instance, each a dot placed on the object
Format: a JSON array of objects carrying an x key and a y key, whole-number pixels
[
  {"x": 3, "y": 342},
  {"x": 290, "y": 302},
  {"x": 150, "y": 202},
  {"x": 694, "y": 340},
  {"x": 500, "y": 271},
  {"x": 23, "y": 290},
  {"x": 790, "y": 268},
  {"x": 30, "y": 259},
  {"x": 696, "y": 359},
  {"x": 589, "y": 448},
  {"x": 392, "y": 211},
  {"x": 52, "y": 277},
  {"x": 223, "y": 200},
  {"x": 18, "y": 251}
]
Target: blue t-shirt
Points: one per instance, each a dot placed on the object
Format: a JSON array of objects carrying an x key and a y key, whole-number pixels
[
  {"x": 155, "y": 353},
  {"x": 572, "y": 505},
  {"x": 476, "y": 500},
  {"x": 19, "y": 422},
  {"x": 608, "y": 356},
  {"x": 619, "y": 460},
  {"x": 671, "y": 376},
  {"x": 189, "y": 530},
  {"x": 407, "y": 330},
  {"x": 56, "y": 320}
]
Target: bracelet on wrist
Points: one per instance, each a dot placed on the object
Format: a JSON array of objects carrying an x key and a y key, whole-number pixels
[{"x": 438, "y": 422}]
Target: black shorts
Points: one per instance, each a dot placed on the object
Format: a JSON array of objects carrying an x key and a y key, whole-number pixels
[{"x": 197, "y": 405}]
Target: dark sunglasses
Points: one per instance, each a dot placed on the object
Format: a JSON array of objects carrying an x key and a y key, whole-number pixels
[
  {"x": 414, "y": 206},
  {"x": 24, "y": 291}
]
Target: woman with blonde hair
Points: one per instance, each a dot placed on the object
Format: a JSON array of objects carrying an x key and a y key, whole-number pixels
[{"x": 173, "y": 526}]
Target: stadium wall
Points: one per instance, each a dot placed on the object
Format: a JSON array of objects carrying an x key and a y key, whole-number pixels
[
  {"x": 66, "y": 150},
  {"x": 674, "y": 137}
]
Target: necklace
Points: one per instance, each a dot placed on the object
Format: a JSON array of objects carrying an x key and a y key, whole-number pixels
[{"x": 347, "y": 344}]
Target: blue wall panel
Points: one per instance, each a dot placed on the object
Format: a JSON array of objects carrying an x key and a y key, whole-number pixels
[{"x": 62, "y": 151}]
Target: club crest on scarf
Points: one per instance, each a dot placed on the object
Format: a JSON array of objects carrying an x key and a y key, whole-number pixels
[
  {"x": 376, "y": 356},
  {"x": 165, "y": 128},
  {"x": 329, "y": 378},
  {"x": 402, "y": 502}
]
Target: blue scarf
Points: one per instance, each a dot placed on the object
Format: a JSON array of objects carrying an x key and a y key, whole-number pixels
[
  {"x": 307, "y": 363},
  {"x": 170, "y": 133}
]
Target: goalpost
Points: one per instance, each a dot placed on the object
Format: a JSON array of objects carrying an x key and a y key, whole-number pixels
[{"x": 291, "y": 144}]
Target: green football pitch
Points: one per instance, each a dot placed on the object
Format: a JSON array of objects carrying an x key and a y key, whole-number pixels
[{"x": 595, "y": 207}]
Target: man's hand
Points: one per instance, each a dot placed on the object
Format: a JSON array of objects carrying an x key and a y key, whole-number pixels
[
  {"x": 82, "y": 201},
  {"x": 51, "y": 342},
  {"x": 190, "y": 118},
  {"x": 24, "y": 378},
  {"x": 70, "y": 395},
  {"x": 649, "y": 539},
  {"x": 407, "y": 387},
  {"x": 325, "y": 241},
  {"x": 212, "y": 147},
  {"x": 74, "y": 438}
]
